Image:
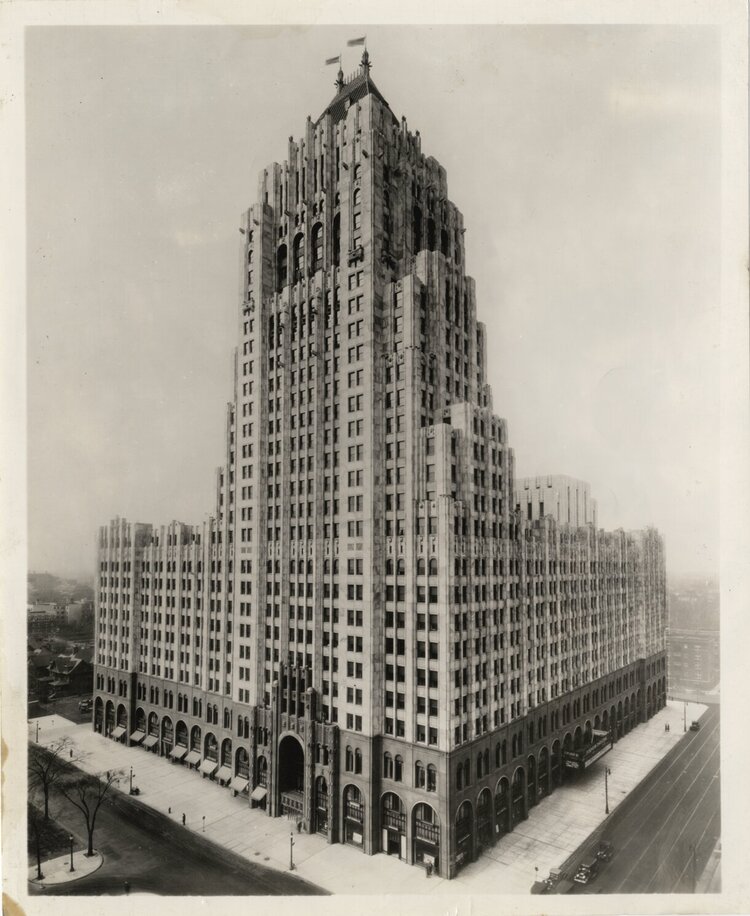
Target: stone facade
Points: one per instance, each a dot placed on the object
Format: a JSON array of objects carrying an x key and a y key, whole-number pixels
[{"x": 367, "y": 635}]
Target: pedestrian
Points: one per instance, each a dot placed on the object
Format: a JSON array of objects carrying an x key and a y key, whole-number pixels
[
  {"x": 183, "y": 819},
  {"x": 127, "y": 887},
  {"x": 170, "y": 809}
]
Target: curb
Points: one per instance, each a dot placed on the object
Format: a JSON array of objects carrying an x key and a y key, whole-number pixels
[{"x": 43, "y": 882}]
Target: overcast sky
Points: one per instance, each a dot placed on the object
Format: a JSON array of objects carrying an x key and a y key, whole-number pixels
[{"x": 586, "y": 162}]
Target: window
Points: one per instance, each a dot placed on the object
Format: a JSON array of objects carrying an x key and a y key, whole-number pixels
[{"x": 420, "y": 775}]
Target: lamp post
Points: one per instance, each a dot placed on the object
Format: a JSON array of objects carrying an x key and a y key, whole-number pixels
[
  {"x": 70, "y": 837},
  {"x": 204, "y": 823},
  {"x": 684, "y": 716},
  {"x": 607, "y": 773},
  {"x": 37, "y": 731},
  {"x": 291, "y": 850},
  {"x": 131, "y": 780}
]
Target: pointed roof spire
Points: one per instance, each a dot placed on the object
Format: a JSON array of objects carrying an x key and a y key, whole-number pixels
[
  {"x": 366, "y": 65},
  {"x": 340, "y": 79}
]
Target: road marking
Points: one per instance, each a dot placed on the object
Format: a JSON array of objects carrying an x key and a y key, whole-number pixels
[
  {"x": 714, "y": 838},
  {"x": 684, "y": 828},
  {"x": 664, "y": 824}
]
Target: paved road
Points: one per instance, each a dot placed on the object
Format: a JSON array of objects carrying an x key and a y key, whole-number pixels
[
  {"x": 155, "y": 855},
  {"x": 674, "y": 811}
]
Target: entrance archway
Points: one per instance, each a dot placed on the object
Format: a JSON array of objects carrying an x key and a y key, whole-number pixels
[
  {"x": 484, "y": 819},
  {"x": 531, "y": 783},
  {"x": 109, "y": 721},
  {"x": 426, "y": 832},
  {"x": 556, "y": 764},
  {"x": 502, "y": 807},
  {"x": 354, "y": 816},
  {"x": 291, "y": 777},
  {"x": 393, "y": 825},
  {"x": 321, "y": 805},
  {"x": 167, "y": 736},
  {"x": 543, "y": 783},
  {"x": 464, "y": 833},
  {"x": 98, "y": 715},
  {"x": 518, "y": 796}
]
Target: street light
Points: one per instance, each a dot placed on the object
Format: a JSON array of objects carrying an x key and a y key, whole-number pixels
[
  {"x": 204, "y": 823},
  {"x": 131, "y": 780},
  {"x": 70, "y": 837},
  {"x": 607, "y": 772},
  {"x": 37, "y": 731},
  {"x": 291, "y": 850}
]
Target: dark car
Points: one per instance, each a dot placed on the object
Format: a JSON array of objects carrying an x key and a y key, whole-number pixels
[
  {"x": 605, "y": 851},
  {"x": 694, "y": 726},
  {"x": 85, "y": 705},
  {"x": 587, "y": 871}
]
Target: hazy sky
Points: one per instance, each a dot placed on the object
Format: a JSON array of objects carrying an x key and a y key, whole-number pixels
[{"x": 586, "y": 162}]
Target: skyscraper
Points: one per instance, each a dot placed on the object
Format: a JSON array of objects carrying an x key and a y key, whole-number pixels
[{"x": 367, "y": 635}]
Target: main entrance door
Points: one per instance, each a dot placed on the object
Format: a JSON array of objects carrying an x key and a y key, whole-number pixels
[{"x": 291, "y": 777}]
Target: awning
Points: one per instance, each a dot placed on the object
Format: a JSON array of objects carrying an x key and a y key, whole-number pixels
[
  {"x": 150, "y": 740},
  {"x": 193, "y": 757},
  {"x": 259, "y": 793},
  {"x": 177, "y": 753},
  {"x": 208, "y": 766},
  {"x": 118, "y": 732},
  {"x": 225, "y": 774},
  {"x": 137, "y": 737},
  {"x": 239, "y": 784}
]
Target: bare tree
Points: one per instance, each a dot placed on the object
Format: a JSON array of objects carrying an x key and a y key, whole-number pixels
[
  {"x": 37, "y": 829},
  {"x": 87, "y": 794},
  {"x": 47, "y": 765}
]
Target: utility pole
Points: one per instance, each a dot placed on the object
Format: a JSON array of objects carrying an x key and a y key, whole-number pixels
[
  {"x": 607, "y": 772},
  {"x": 131, "y": 781},
  {"x": 70, "y": 837},
  {"x": 291, "y": 850},
  {"x": 37, "y": 731}
]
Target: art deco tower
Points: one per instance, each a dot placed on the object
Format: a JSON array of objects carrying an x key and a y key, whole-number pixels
[{"x": 368, "y": 634}]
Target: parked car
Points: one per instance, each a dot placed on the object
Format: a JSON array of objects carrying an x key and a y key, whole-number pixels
[
  {"x": 605, "y": 851},
  {"x": 587, "y": 871},
  {"x": 85, "y": 705},
  {"x": 694, "y": 726}
]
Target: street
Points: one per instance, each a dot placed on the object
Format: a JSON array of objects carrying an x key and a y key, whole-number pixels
[
  {"x": 155, "y": 855},
  {"x": 664, "y": 832}
]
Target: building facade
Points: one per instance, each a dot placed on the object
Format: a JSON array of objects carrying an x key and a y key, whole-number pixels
[
  {"x": 367, "y": 635},
  {"x": 566, "y": 499}
]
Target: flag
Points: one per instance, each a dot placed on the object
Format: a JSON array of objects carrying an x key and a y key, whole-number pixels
[
  {"x": 333, "y": 60},
  {"x": 356, "y": 41}
]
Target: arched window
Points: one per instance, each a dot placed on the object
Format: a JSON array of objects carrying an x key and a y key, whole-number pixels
[
  {"x": 357, "y": 171},
  {"x": 387, "y": 766},
  {"x": 487, "y": 760},
  {"x": 398, "y": 774},
  {"x": 419, "y": 775},
  {"x": 460, "y": 777},
  {"x": 421, "y": 566},
  {"x": 298, "y": 263},
  {"x": 227, "y": 718},
  {"x": 357, "y": 197},
  {"x": 317, "y": 246},
  {"x": 349, "y": 760},
  {"x": 467, "y": 772},
  {"x": 281, "y": 268},
  {"x": 480, "y": 768},
  {"x": 431, "y": 778},
  {"x": 400, "y": 567},
  {"x": 357, "y": 761},
  {"x": 389, "y": 567},
  {"x": 433, "y": 566}
]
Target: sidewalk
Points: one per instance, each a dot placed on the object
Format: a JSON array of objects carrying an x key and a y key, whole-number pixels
[
  {"x": 553, "y": 831},
  {"x": 710, "y": 881},
  {"x": 57, "y": 871}
]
